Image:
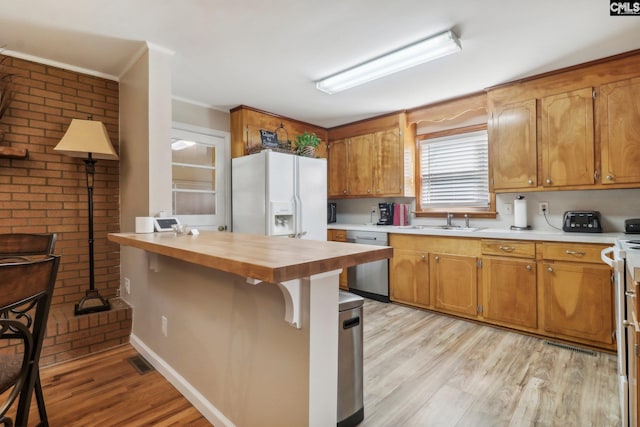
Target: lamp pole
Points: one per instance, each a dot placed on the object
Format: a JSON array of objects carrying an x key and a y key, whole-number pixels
[{"x": 90, "y": 169}]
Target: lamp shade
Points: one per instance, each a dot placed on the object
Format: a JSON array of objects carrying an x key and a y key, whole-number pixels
[{"x": 84, "y": 137}]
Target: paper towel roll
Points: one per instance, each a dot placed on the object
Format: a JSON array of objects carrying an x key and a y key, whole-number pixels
[
  {"x": 520, "y": 212},
  {"x": 144, "y": 224}
]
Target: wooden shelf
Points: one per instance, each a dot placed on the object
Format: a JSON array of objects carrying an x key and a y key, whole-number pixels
[{"x": 13, "y": 153}]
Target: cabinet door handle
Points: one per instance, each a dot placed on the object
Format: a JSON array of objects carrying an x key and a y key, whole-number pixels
[
  {"x": 550, "y": 270},
  {"x": 530, "y": 182},
  {"x": 437, "y": 258},
  {"x": 630, "y": 294},
  {"x": 568, "y": 252},
  {"x": 529, "y": 267},
  {"x": 548, "y": 181},
  {"x": 507, "y": 248},
  {"x": 610, "y": 177},
  {"x": 423, "y": 257}
]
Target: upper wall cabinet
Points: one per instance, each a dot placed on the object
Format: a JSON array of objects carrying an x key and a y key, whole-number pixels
[
  {"x": 512, "y": 136},
  {"x": 372, "y": 158},
  {"x": 620, "y": 131},
  {"x": 246, "y": 123},
  {"x": 566, "y": 140},
  {"x": 544, "y": 133}
]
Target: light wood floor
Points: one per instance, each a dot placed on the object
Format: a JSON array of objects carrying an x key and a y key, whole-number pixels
[
  {"x": 421, "y": 369},
  {"x": 424, "y": 369}
]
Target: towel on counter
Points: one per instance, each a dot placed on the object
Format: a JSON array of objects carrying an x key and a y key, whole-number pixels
[{"x": 400, "y": 214}]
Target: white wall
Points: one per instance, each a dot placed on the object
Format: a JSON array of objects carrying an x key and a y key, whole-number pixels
[
  {"x": 199, "y": 115},
  {"x": 614, "y": 205}
]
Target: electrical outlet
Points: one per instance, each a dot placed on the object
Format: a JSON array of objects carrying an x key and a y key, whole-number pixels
[
  {"x": 508, "y": 208},
  {"x": 543, "y": 207},
  {"x": 127, "y": 286},
  {"x": 164, "y": 325}
]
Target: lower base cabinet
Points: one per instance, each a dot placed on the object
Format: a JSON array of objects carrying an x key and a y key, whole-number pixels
[
  {"x": 409, "y": 277},
  {"x": 561, "y": 291},
  {"x": 510, "y": 291},
  {"x": 578, "y": 301},
  {"x": 454, "y": 280}
]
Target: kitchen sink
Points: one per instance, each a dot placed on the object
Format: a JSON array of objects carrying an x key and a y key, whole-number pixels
[{"x": 442, "y": 227}]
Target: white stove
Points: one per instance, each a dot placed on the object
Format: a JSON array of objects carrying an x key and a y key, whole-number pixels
[
  {"x": 631, "y": 249},
  {"x": 625, "y": 259}
]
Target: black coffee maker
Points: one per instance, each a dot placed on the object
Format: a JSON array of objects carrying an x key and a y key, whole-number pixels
[{"x": 386, "y": 213}]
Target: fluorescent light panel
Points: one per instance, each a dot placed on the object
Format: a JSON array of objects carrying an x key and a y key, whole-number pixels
[{"x": 431, "y": 48}]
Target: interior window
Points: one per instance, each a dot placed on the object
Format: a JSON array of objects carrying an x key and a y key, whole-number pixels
[
  {"x": 198, "y": 186},
  {"x": 193, "y": 169},
  {"x": 454, "y": 173}
]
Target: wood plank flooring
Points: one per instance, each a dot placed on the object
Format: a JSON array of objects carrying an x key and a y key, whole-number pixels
[
  {"x": 421, "y": 370},
  {"x": 105, "y": 390},
  {"x": 425, "y": 369}
]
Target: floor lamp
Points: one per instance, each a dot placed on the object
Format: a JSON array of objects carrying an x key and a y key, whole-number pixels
[{"x": 88, "y": 140}]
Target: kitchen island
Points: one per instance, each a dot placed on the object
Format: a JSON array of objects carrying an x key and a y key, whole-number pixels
[{"x": 245, "y": 326}]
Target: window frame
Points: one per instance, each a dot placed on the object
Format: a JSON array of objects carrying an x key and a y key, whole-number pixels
[{"x": 472, "y": 212}]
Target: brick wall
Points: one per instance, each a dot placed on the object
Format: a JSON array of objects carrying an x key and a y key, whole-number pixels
[{"x": 46, "y": 193}]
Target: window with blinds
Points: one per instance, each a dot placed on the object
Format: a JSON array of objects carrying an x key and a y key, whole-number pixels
[{"x": 454, "y": 171}]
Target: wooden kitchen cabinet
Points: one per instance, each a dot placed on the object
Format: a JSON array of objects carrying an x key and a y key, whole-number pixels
[
  {"x": 454, "y": 283},
  {"x": 577, "y": 293},
  {"x": 409, "y": 277},
  {"x": 387, "y": 162},
  {"x": 337, "y": 175},
  {"x": 359, "y": 165},
  {"x": 620, "y": 132},
  {"x": 339, "y": 236},
  {"x": 567, "y": 139},
  {"x": 366, "y": 165},
  {"x": 509, "y": 283},
  {"x": 552, "y": 289},
  {"x": 372, "y": 158},
  {"x": 246, "y": 122},
  {"x": 512, "y": 146}
]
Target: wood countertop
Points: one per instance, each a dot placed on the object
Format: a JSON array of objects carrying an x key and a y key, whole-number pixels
[{"x": 270, "y": 259}]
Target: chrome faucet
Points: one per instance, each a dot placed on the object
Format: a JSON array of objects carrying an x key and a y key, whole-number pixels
[
  {"x": 449, "y": 218},
  {"x": 466, "y": 221}
]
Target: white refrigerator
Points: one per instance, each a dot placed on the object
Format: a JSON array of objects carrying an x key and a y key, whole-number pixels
[{"x": 279, "y": 194}]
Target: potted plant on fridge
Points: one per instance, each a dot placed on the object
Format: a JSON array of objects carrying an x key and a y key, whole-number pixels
[{"x": 306, "y": 144}]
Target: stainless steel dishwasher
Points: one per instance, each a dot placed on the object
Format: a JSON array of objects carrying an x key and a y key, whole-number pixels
[{"x": 369, "y": 280}]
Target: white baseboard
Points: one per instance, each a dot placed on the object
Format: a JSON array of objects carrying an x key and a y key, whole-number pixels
[{"x": 206, "y": 408}]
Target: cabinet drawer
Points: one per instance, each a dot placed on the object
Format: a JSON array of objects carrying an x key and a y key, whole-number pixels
[
  {"x": 337, "y": 235},
  {"x": 572, "y": 252},
  {"x": 512, "y": 248},
  {"x": 340, "y": 235}
]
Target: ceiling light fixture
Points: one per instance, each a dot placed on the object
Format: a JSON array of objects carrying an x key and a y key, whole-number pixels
[
  {"x": 431, "y": 48},
  {"x": 181, "y": 144}
]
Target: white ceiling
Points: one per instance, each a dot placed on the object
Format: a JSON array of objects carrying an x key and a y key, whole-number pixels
[{"x": 268, "y": 53}]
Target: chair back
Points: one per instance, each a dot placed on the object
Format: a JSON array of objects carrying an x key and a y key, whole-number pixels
[
  {"x": 26, "y": 289},
  {"x": 27, "y": 244}
]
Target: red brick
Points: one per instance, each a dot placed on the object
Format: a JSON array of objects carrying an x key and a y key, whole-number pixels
[{"x": 47, "y": 193}]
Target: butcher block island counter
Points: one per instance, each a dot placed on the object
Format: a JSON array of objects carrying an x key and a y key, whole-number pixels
[{"x": 245, "y": 326}]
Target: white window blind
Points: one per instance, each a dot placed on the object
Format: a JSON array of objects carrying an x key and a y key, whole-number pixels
[{"x": 454, "y": 171}]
